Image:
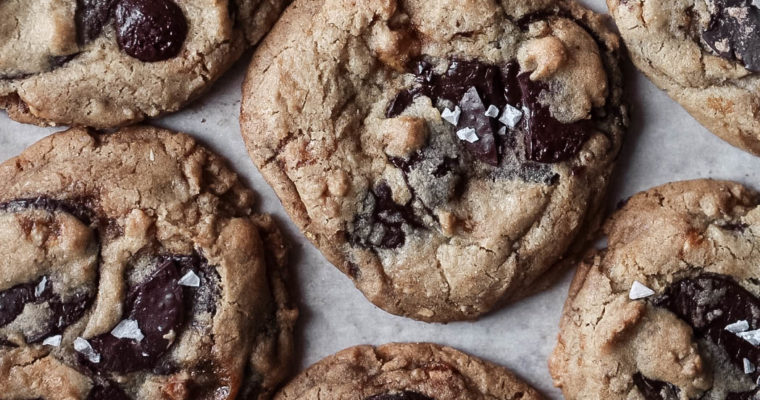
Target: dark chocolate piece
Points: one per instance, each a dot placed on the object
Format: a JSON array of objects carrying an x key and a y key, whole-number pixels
[
  {"x": 381, "y": 223},
  {"x": 405, "y": 395},
  {"x": 157, "y": 306},
  {"x": 150, "y": 30},
  {"x": 474, "y": 116},
  {"x": 13, "y": 301},
  {"x": 548, "y": 140},
  {"x": 79, "y": 208},
  {"x": 109, "y": 392},
  {"x": 709, "y": 303},
  {"x": 91, "y": 16},
  {"x": 655, "y": 390},
  {"x": 63, "y": 315},
  {"x": 734, "y": 32}
]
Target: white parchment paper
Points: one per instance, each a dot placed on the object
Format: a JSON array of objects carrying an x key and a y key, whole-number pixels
[{"x": 664, "y": 144}]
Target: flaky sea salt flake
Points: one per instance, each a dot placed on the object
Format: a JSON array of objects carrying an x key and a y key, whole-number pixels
[
  {"x": 468, "y": 134},
  {"x": 749, "y": 368},
  {"x": 511, "y": 116},
  {"x": 639, "y": 291},
  {"x": 54, "y": 341},
  {"x": 751, "y": 336},
  {"x": 40, "y": 288},
  {"x": 452, "y": 116},
  {"x": 128, "y": 329},
  {"x": 84, "y": 347},
  {"x": 492, "y": 111},
  {"x": 190, "y": 279},
  {"x": 737, "y": 327}
]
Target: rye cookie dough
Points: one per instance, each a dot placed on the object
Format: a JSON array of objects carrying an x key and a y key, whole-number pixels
[
  {"x": 405, "y": 371},
  {"x": 133, "y": 267},
  {"x": 670, "y": 309},
  {"x": 107, "y": 63},
  {"x": 445, "y": 155},
  {"x": 705, "y": 54}
]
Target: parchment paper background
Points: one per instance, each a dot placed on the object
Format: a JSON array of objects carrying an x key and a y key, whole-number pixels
[{"x": 664, "y": 144}]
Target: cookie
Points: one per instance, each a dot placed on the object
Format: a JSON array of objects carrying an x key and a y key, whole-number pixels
[
  {"x": 703, "y": 54},
  {"x": 444, "y": 155},
  {"x": 405, "y": 371},
  {"x": 670, "y": 309},
  {"x": 107, "y": 63},
  {"x": 133, "y": 268}
]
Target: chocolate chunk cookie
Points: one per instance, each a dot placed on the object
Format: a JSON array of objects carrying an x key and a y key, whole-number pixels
[
  {"x": 106, "y": 63},
  {"x": 671, "y": 308},
  {"x": 133, "y": 268},
  {"x": 405, "y": 371},
  {"x": 705, "y": 54},
  {"x": 444, "y": 155}
]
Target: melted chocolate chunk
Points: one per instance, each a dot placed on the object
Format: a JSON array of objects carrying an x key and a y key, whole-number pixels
[
  {"x": 80, "y": 209},
  {"x": 548, "y": 140},
  {"x": 108, "y": 392},
  {"x": 734, "y": 32},
  {"x": 474, "y": 116},
  {"x": 150, "y": 30},
  {"x": 63, "y": 314},
  {"x": 405, "y": 395},
  {"x": 655, "y": 390},
  {"x": 13, "y": 301},
  {"x": 709, "y": 303},
  {"x": 381, "y": 223},
  {"x": 157, "y": 306},
  {"x": 474, "y": 86},
  {"x": 91, "y": 16}
]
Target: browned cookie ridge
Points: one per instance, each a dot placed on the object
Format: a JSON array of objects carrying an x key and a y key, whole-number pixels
[
  {"x": 405, "y": 371},
  {"x": 446, "y": 156},
  {"x": 671, "y": 308},
  {"x": 133, "y": 267}
]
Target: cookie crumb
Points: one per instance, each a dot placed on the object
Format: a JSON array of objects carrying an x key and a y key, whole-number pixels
[
  {"x": 452, "y": 116},
  {"x": 190, "y": 279},
  {"x": 639, "y": 291},
  {"x": 84, "y": 347},
  {"x": 54, "y": 341},
  {"x": 468, "y": 134}
]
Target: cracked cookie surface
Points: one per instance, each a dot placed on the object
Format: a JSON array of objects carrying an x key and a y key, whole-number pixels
[
  {"x": 108, "y": 63},
  {"x": 705, "y": 54},
  {"x": 671, "y": 308},
  {"x": 134, "y": 268},
  {"x": 444, "y": 155},
  {"x": 405, "y": 371}
]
